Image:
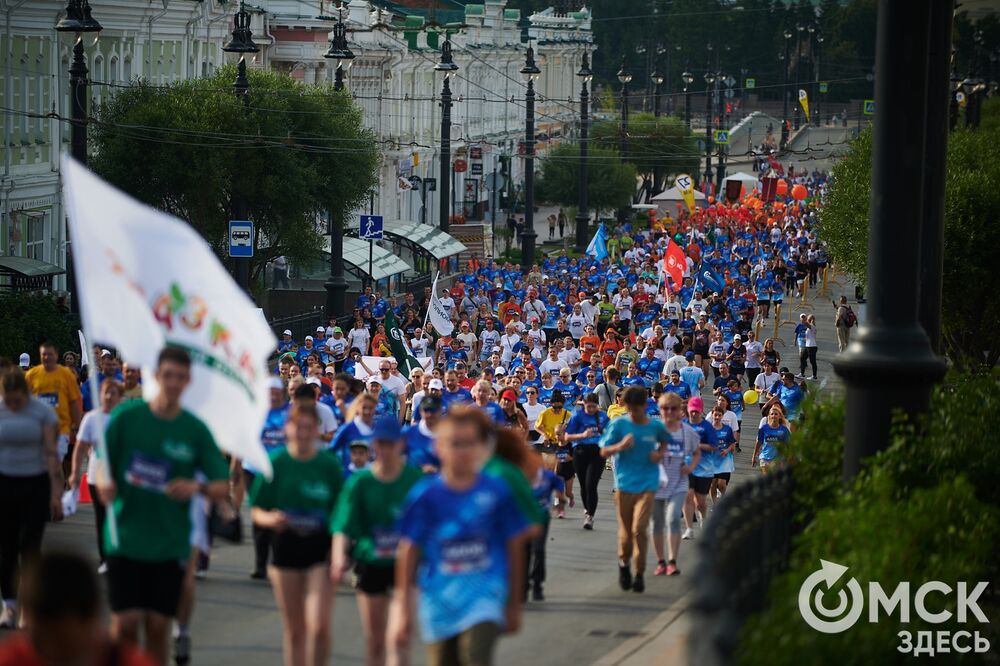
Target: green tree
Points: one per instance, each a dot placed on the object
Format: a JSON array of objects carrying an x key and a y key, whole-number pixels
[
  {"x": 609, "y": 182},
  {"x": 657, "y": 147},
  {"x": 188, "y": 148},
  {"x": 26, "y": 320},
  {"x": 970, "y": 308}
]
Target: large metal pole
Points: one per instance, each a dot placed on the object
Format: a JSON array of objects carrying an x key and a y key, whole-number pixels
[
  {"x": 623, "y": 125},
  {"x": 784, "y": 105},
  {"x": 795, "y": 92},
  {"x": 78, "y": 74},
  {"x": 936, "y": 151},
  {"x": 708, "y": 134},
  {"x": 336, "y": 284},
  {"x": 444, "y": 181},
  {"x": 582, "y": 215},
  {"x": 240, "y": 210},
  {"x": 890, "y": 365},
  {"x": 529, "y": 234},
  {"x": 656, "y": 100},
  {"x": 687, "y": 106}
]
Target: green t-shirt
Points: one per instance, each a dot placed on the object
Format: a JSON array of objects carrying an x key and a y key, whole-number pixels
[
  {"x": 145, "y": 453},
  {"x": 627, "y": 242},
  {"x": 510, "y": 474},
  {"x": 305, "y": 491},
  {"x": 367, "y": 513},
  {"x": 605, "y": 309}
]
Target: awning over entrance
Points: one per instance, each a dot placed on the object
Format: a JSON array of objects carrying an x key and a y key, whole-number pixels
[
  {"x": 426, "y": 239},
  {"x": 26, "y": 274},
  {"x": 384, "y": 263}
]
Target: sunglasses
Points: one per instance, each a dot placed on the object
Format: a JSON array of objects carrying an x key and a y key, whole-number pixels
[{"x": 531, "y": 392}]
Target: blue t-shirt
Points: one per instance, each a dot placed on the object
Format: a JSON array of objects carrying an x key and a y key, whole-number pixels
[
  {"x": 691, "y": 375},
  {"x": 419, "y": 448},
  {"x": 651, "y": 368},
  {"x": 460, "y": 395},
  {"x": 342, "y": 439},
  {"x": 680, "y": 389},
  {"x": 495, "y": 412},
  {"x": 462, "y": 536},
  {"x": 706, "y": 435},
  {"x": 581, "y": 420},
  {"x": 770, "y": 440},
  {"x": 800, "y": 334},
  {"x": 634, "y": 471},
  {"x": 791, "y": 398},
  {"x": 724, "y": 437},
  {"x": 735, "y": 402},
  {"x": 543, "y": 487}
]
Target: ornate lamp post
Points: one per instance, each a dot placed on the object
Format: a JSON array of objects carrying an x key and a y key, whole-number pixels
[
  {"x": 530, "y": 72},
  {"x": 709, "y": 82},
  {"x": 688, "y": 78},
  {"x": 582, "y": 216},
  {"x": 447, "y": 67},
  {"x": 657, "y": 79},
  {"x": 624, "y": 77}
]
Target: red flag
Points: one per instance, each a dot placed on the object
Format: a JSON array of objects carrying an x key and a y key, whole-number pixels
[
  {"x": 769, "y": 189},
  {"x": 675, "y": 263}
]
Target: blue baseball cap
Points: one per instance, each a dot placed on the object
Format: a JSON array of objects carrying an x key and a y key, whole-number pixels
[
  {"x": 386, "y": 428},
  {"x": 689, "y": 355}
]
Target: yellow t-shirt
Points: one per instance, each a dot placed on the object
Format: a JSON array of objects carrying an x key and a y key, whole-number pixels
[
  {"x": 58, "y": 388},
  {"x": 548, "y": 420},
  {"x": 614, "y": 411}
]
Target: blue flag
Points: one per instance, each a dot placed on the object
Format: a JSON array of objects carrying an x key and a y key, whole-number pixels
[
  {"x": 711, "y": 280},
  {"x": 598, "y": 247}
]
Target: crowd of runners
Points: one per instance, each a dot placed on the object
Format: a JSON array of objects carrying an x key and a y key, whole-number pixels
[{"x": 431, "y": 492}]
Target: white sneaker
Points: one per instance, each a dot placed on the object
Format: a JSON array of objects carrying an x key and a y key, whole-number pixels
[
  {"x": 688, "y": 534},
  {"x": 588, "y": 522},
  {"x": 103, "y": 569}
]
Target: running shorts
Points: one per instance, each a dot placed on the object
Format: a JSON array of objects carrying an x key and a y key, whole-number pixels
[
  {"x": 701, "y": 484},
  {"x": 373, "y": 579},
  {"x": 138, "y": 585},
  {"x": 725, "y": 476},
  {"x": 566, "y": 470},
  {"x": 296, "y": 551}
]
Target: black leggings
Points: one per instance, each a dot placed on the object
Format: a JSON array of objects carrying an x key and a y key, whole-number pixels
[
  {"x": 807, "y": 355},
  {"x": 589, "y": 467},
  {"x": 534, "y": 561},
  {"x": 261, "y": 535},
  {"x": 25, "y": 502},
  {"x": 100, "y": 516}
]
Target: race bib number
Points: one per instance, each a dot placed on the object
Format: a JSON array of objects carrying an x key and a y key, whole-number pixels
[
  {"x": 386, "y": 540},
  {"x": 305, "y": 521},
  {"x": 149, "y": 472},
  {"x": 50, "y": 399},
  {"x": 462, "y": 556}
]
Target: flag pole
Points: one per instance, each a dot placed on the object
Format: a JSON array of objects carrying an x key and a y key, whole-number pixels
[{"x": 433, "y": 292}]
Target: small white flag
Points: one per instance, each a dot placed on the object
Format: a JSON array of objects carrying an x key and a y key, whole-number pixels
[{"x": 437, "y": 314}]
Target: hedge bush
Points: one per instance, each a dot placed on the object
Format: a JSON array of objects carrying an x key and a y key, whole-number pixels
[{"x": 28, "y": 319}]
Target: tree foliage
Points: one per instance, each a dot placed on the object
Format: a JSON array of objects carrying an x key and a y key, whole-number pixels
[
  {"x": 657, "y": 147},
  {"x": 189, "y": 147},
  {"x": 26, "y": 320},
  {"x": 970, "y": 308},
  {"x": 919, "y": 511},
  {"x": 610, "y": 183}
]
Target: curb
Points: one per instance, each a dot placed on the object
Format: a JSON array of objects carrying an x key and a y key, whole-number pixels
[{"x": 663, "y": 640}]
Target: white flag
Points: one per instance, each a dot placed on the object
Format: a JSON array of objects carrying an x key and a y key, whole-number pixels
[
  {"x": 437, "y": 315},
  {"x": 145, "y": 280}
]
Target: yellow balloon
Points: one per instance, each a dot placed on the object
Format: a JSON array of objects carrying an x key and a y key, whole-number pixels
[{"x": 750, "y": 397}]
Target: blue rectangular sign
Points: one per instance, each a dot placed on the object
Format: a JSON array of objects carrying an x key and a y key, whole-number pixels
[
  {"x": 370, "y": 227},
  {"x": 240, "y": 238}
]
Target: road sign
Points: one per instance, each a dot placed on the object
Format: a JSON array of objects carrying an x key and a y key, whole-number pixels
[
  {"x": 460, "y": 166},
  {"x": 495, "y": 181},
  {"x": 370, "y": 227},
  {"x": 869, "y": 107},
  {"x": 477, "y": 169},
  {"x": 722, "y": 137},
  {"x": 471, "y": 190},
  {"x": 240, "y": 238},
  {"x": 751, "y": 84},
  {"x": 824, "y": 87},
  {"x": 476, "y": 152}
]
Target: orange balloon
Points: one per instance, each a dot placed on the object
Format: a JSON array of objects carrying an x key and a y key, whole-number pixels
[
  {"x": 799, "y": 192},
  {"x": 711, "y": 200},
  {"x": 782, "y": 188}
]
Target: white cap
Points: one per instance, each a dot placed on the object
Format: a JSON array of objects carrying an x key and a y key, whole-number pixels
[
  {"x": 374, "y": 379},
  {"x": 24, "y": 360},
  {"x": 436, "y": 384},
  {"x": 105, "y": 352},
  {"x": 309, "y": 338},
  {"x": 737, "y": 337},
  {"x": 321, "y": 329},
  {"x": 287, "y": 332},
  {"x": 499, "y": 370},
  {"x": 276, "y": 384},
  {"x": 315, "y": 381},
  {"x": 496, "y": 349}
]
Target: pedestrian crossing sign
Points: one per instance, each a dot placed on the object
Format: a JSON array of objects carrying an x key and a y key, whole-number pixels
[
  {"x": 824, "y": 87},
  {"x": 722, "y": 137},
  {"x": 751, "y": 84},
  {"x": 869, "y": 107}
]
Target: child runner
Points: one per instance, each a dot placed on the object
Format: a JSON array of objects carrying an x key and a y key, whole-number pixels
[
  {"x": 367, "y": 516},
  {"x": 462, "y": 545},
  {"x": 679, "y": 459},
  {"x": 544, "y": 484},
  {"x": 297, "y": 505},
  {"x": 704, "y": 471},
  {"x": 724, "y": 447},
  {"x": 635, "y": 444}
]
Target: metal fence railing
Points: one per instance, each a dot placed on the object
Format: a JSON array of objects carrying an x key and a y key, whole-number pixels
[{"x": 745, "y": 545}]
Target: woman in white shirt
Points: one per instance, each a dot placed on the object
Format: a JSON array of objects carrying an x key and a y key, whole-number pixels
[
  {"x": 623, "y": 303},
  {"x": 755, "y": 352},
  {"x": 717, "y": 351}
]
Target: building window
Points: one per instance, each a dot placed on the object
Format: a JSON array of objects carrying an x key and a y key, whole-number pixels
[{"x": 34, "y": 236}]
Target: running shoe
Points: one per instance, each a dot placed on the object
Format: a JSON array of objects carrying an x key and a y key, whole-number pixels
[
  {"x": 661, "y": 569},
  {"x": 103, "y": 568},
  {"x": 672, "y": 570},
  {"x": 638, "y": 585},
  {"x": 688, "y": 534},
  {"x": 561, "y": 514},
  {"x": 624, "y": 578},
  {"x": 201, "y": 574},
  {"x": 258, "y": 575},
  {"x": 536, "y": 594},
  {"x": 572, "y": 498},
  {"x": 182, "y": 649},
  {"x": 588, "y": 522}
]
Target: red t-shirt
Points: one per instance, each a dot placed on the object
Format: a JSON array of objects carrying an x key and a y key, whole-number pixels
[{"x": 17, "y": 651}]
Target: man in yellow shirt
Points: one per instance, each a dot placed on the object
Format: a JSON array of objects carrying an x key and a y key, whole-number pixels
[{"x": 56, "y": 385}]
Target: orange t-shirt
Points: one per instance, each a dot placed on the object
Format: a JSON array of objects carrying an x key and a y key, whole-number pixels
[
  {"x": 609, "y": 351},
  {"x": 588, "y": 346}
]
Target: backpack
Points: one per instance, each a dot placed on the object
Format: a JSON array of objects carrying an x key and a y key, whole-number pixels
[{"x": 852, "y": 319}]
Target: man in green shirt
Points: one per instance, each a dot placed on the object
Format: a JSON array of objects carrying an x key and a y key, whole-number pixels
[{"x": 154, "y": 451}]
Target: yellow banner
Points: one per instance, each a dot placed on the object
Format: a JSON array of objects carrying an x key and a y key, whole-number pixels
[
  {"x": 685, "y": 185},
  {"x": 804, "y": 101}
]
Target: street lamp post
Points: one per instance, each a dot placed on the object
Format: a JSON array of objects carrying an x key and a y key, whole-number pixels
[
  {"x": 530, "y": 72},
  {"x": 657, "y": 79},
  {"x": 798, "y": 57},
  {"x": 688, "y": 78},
  {"x": 819, "y": 93},
  {"x": 447, "y": 67},
  {"x": 811, "y": 80},
  {"x": 582, "y": 215},
  {"x": 624, "y": 77},
  {"x": 241, "y": 43},
  {"x": 889, "y": 365},
  {"x": 784, "y": 105},
  {"x": 721, "y": 82},
  {"x": 709, "y": 82},
  {"x": 78, "y": 20},
  {"x": 336, "y": 284}
]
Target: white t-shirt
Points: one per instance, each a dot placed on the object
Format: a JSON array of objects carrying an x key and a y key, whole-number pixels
[
  {"x": 489, "y": 340},
  {"x": 551, "y": 367},
  {"x": 624, "y": 306},
  {"x": 507, "y": 343},
  {"x": 576, "y": 323},
  {"x": 753, "y": 348},
  {"x": 91, "y": 426},
  {"x": 537, "y": 337},
  {"x": 447, "y": 304},
  {"x": 337, "y": 347},
  {"x": 717, "y": 350},
  {"x": 698, "y": 306},
  {"x": 810, "y": 336},
  {"x": 571, "y": 357},
  {"x": 589, "y": 311},
  {"x": 360, "y": 338},
  {"x": 327, "y": 420},
  {"x": 419, "y": 346},
  {"x": 468, "y": 340},
  {"x": 533, "y": 411},
  {"x": 764, "y": 382},
  {"x": 396, "y": 384},
  {"x": 669, "y": 341},
  {"x": 672, "y": 310}
]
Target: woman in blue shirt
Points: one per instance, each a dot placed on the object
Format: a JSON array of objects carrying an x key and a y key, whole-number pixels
[
  {"x": 770, "y": 439},
  {"x": 584, "y": 432}
]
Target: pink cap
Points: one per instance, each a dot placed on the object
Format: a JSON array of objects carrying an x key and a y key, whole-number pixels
[{"x": 696, "y": 404}]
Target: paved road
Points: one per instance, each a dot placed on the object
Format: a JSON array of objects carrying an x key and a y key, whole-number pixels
[{"x": 584, "y": 618}]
